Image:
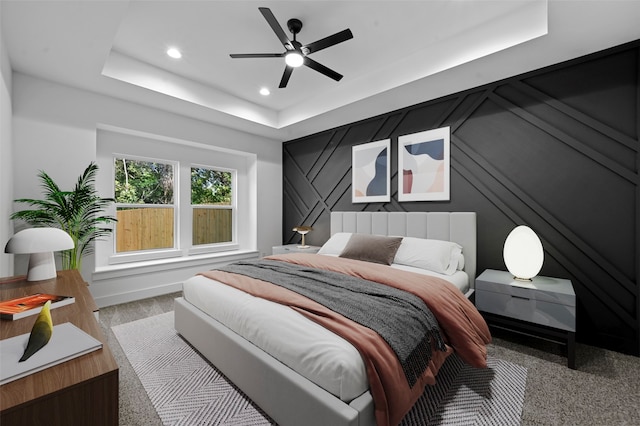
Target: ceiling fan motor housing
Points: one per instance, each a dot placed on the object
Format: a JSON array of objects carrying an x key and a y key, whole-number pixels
[{"x": 294, "y": 25}]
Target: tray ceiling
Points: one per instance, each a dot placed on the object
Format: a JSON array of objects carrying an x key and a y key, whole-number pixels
[{"x": 402, "y": 53}]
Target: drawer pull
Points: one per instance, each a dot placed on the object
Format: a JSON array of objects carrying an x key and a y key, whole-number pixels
[{"x": 520, "y": 297}]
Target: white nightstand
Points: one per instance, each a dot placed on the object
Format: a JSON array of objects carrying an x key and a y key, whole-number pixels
[
  {"x": 544, "y": 307},
  {"x": 293, "y": 248}
]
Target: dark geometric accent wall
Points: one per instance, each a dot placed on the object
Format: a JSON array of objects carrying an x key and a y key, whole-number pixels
[{"x": 556, "y": 149}]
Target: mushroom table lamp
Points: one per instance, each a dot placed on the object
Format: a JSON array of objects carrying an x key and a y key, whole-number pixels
[
  {"x": 303, "y": 230},
  {"x": 523, "y": 253},
  {"x": 39, "y": 243}
]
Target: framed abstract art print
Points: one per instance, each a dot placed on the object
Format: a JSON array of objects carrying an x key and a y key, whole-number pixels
[
  {"x": 370, "y": 172},
  {"x": 423, "y": 165}
]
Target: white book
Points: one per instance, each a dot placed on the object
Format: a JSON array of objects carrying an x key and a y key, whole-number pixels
[{"x": 67, "y": 342}]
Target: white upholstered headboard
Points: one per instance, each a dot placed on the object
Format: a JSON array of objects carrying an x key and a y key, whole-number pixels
[{"x": 459, "y": 227}]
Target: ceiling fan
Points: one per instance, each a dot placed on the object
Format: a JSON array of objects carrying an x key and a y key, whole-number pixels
[{"x": 296, "y": 54}]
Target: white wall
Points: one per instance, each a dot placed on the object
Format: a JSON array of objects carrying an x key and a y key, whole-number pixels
[
  {"x": 55, "y": 127},
  {"x": 6, "y": 163}
]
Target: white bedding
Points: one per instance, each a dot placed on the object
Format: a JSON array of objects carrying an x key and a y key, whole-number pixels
[
  {"x": 459, "y": 278},
  {"x": 304, "y": 346}
]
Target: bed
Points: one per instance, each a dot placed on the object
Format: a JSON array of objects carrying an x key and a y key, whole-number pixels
[{"x": 297, "y": 387}]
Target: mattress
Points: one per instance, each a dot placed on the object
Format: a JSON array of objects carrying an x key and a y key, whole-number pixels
[
  {"x": 304, "y": 346},
  {"x": 460, "y": 279}
]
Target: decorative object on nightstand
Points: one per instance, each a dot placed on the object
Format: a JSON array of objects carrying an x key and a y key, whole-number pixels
[
  {"x": 39, "y": 243},
  {"x": 40, "y": 333},
  {"x": 294, "y": 248},
  {"x": 544, "y": 307},
  {"x": 303, "y": 230},
  {"x": 523, "y": 253}
]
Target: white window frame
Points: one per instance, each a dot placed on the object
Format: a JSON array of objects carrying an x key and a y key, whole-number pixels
[
  {"x": 115, "y": 141},
  {"x": 150, "y": 254},
  {"x": 227, "y": 245}
]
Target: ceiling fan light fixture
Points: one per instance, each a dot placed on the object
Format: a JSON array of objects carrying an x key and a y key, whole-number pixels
[{"x": 294, "y": 59}]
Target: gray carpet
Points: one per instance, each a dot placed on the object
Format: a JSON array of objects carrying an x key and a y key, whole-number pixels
[
  {"x": 186, "y": 390},
  {"x": 604, "y": 390}
]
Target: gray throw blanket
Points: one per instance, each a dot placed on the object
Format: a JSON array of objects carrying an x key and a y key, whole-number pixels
[{"x": 400, "y": 318}]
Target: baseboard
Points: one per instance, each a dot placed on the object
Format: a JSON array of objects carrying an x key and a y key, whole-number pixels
[
  {"x": 139, "y": 294},
  {"x": 128, "y": 283}
]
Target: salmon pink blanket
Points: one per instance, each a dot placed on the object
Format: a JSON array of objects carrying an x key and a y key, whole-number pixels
[{"x": 463, "y": 327}]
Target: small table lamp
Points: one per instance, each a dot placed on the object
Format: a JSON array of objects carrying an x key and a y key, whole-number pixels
[
  {"x": 523, "y": 253},
  {"x": 303, "y": 230},
  {"x": 40, "y": 243}
]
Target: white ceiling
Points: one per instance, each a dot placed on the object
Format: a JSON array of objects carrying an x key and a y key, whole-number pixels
[{"x": 402, "y": 53}]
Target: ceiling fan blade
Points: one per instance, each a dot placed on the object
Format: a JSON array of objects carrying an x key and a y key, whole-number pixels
[
  {"x": 322, "y": 69},
  {"x": 256, "y": 55},
  {"x": 329, "y": 41},
  {"x": 275, "y": 26},
  {"x": 285, "y": 77}
]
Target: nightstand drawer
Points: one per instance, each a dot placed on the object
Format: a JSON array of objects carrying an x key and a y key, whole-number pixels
[
  {"x": 521, "y": 307},
  {"x": 544, "y": 289}
]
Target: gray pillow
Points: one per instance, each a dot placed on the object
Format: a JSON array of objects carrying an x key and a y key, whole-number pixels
[{"x": 372, "y": 248}]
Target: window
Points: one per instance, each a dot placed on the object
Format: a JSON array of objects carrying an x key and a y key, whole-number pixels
[
  {"x": 212, "y": 206},
  {"x": 145, "y": 208},
  {"x": 147, "y": 213},
  {"x": 174, "y": 199}
]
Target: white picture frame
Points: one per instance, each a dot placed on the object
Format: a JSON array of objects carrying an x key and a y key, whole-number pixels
[
  {"x": 424, "y": 165},
  {"x": 371, "y": 172}
]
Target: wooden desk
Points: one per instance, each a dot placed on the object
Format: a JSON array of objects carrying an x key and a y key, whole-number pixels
[{"x": 82, "y": 391}]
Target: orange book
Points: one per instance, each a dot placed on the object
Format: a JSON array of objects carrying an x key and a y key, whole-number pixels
[{"x": 21, "y": 307}]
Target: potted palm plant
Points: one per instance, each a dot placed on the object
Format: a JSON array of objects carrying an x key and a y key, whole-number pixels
[{"x": 78, "y": 212}]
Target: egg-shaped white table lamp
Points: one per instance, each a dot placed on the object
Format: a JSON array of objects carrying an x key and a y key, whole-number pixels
[
  {"x": 40, "y": 243},
  {"x": 523, "y": 253}
]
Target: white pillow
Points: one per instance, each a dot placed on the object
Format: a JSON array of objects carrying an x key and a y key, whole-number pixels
[
  {"x": 335, "y": 244},
  {"x": 444, "y": 257},
  {"x": 460, "y": 262}
]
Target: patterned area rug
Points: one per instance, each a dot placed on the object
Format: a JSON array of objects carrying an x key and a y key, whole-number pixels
[{"x": 186, "y": 390}]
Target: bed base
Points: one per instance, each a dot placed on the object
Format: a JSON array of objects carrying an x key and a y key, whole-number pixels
[{"x": 286, "y": 396}]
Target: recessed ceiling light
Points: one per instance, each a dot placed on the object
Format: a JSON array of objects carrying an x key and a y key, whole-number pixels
[
  {"x": 174, "y": 53},
  {"x": 265, "y": 92}
]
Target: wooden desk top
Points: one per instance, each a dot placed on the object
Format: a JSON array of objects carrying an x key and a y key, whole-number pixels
[{"x": 80, "y": 313}]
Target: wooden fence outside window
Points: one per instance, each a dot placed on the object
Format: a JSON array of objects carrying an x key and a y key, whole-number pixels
[{"x": 153, "y": 228}]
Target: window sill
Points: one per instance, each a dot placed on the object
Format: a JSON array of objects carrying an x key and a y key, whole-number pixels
[
  {"x": 157, "y": 265},
  {"x": 145, "y": 256},
  {"x": 212, "y": 248}
]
